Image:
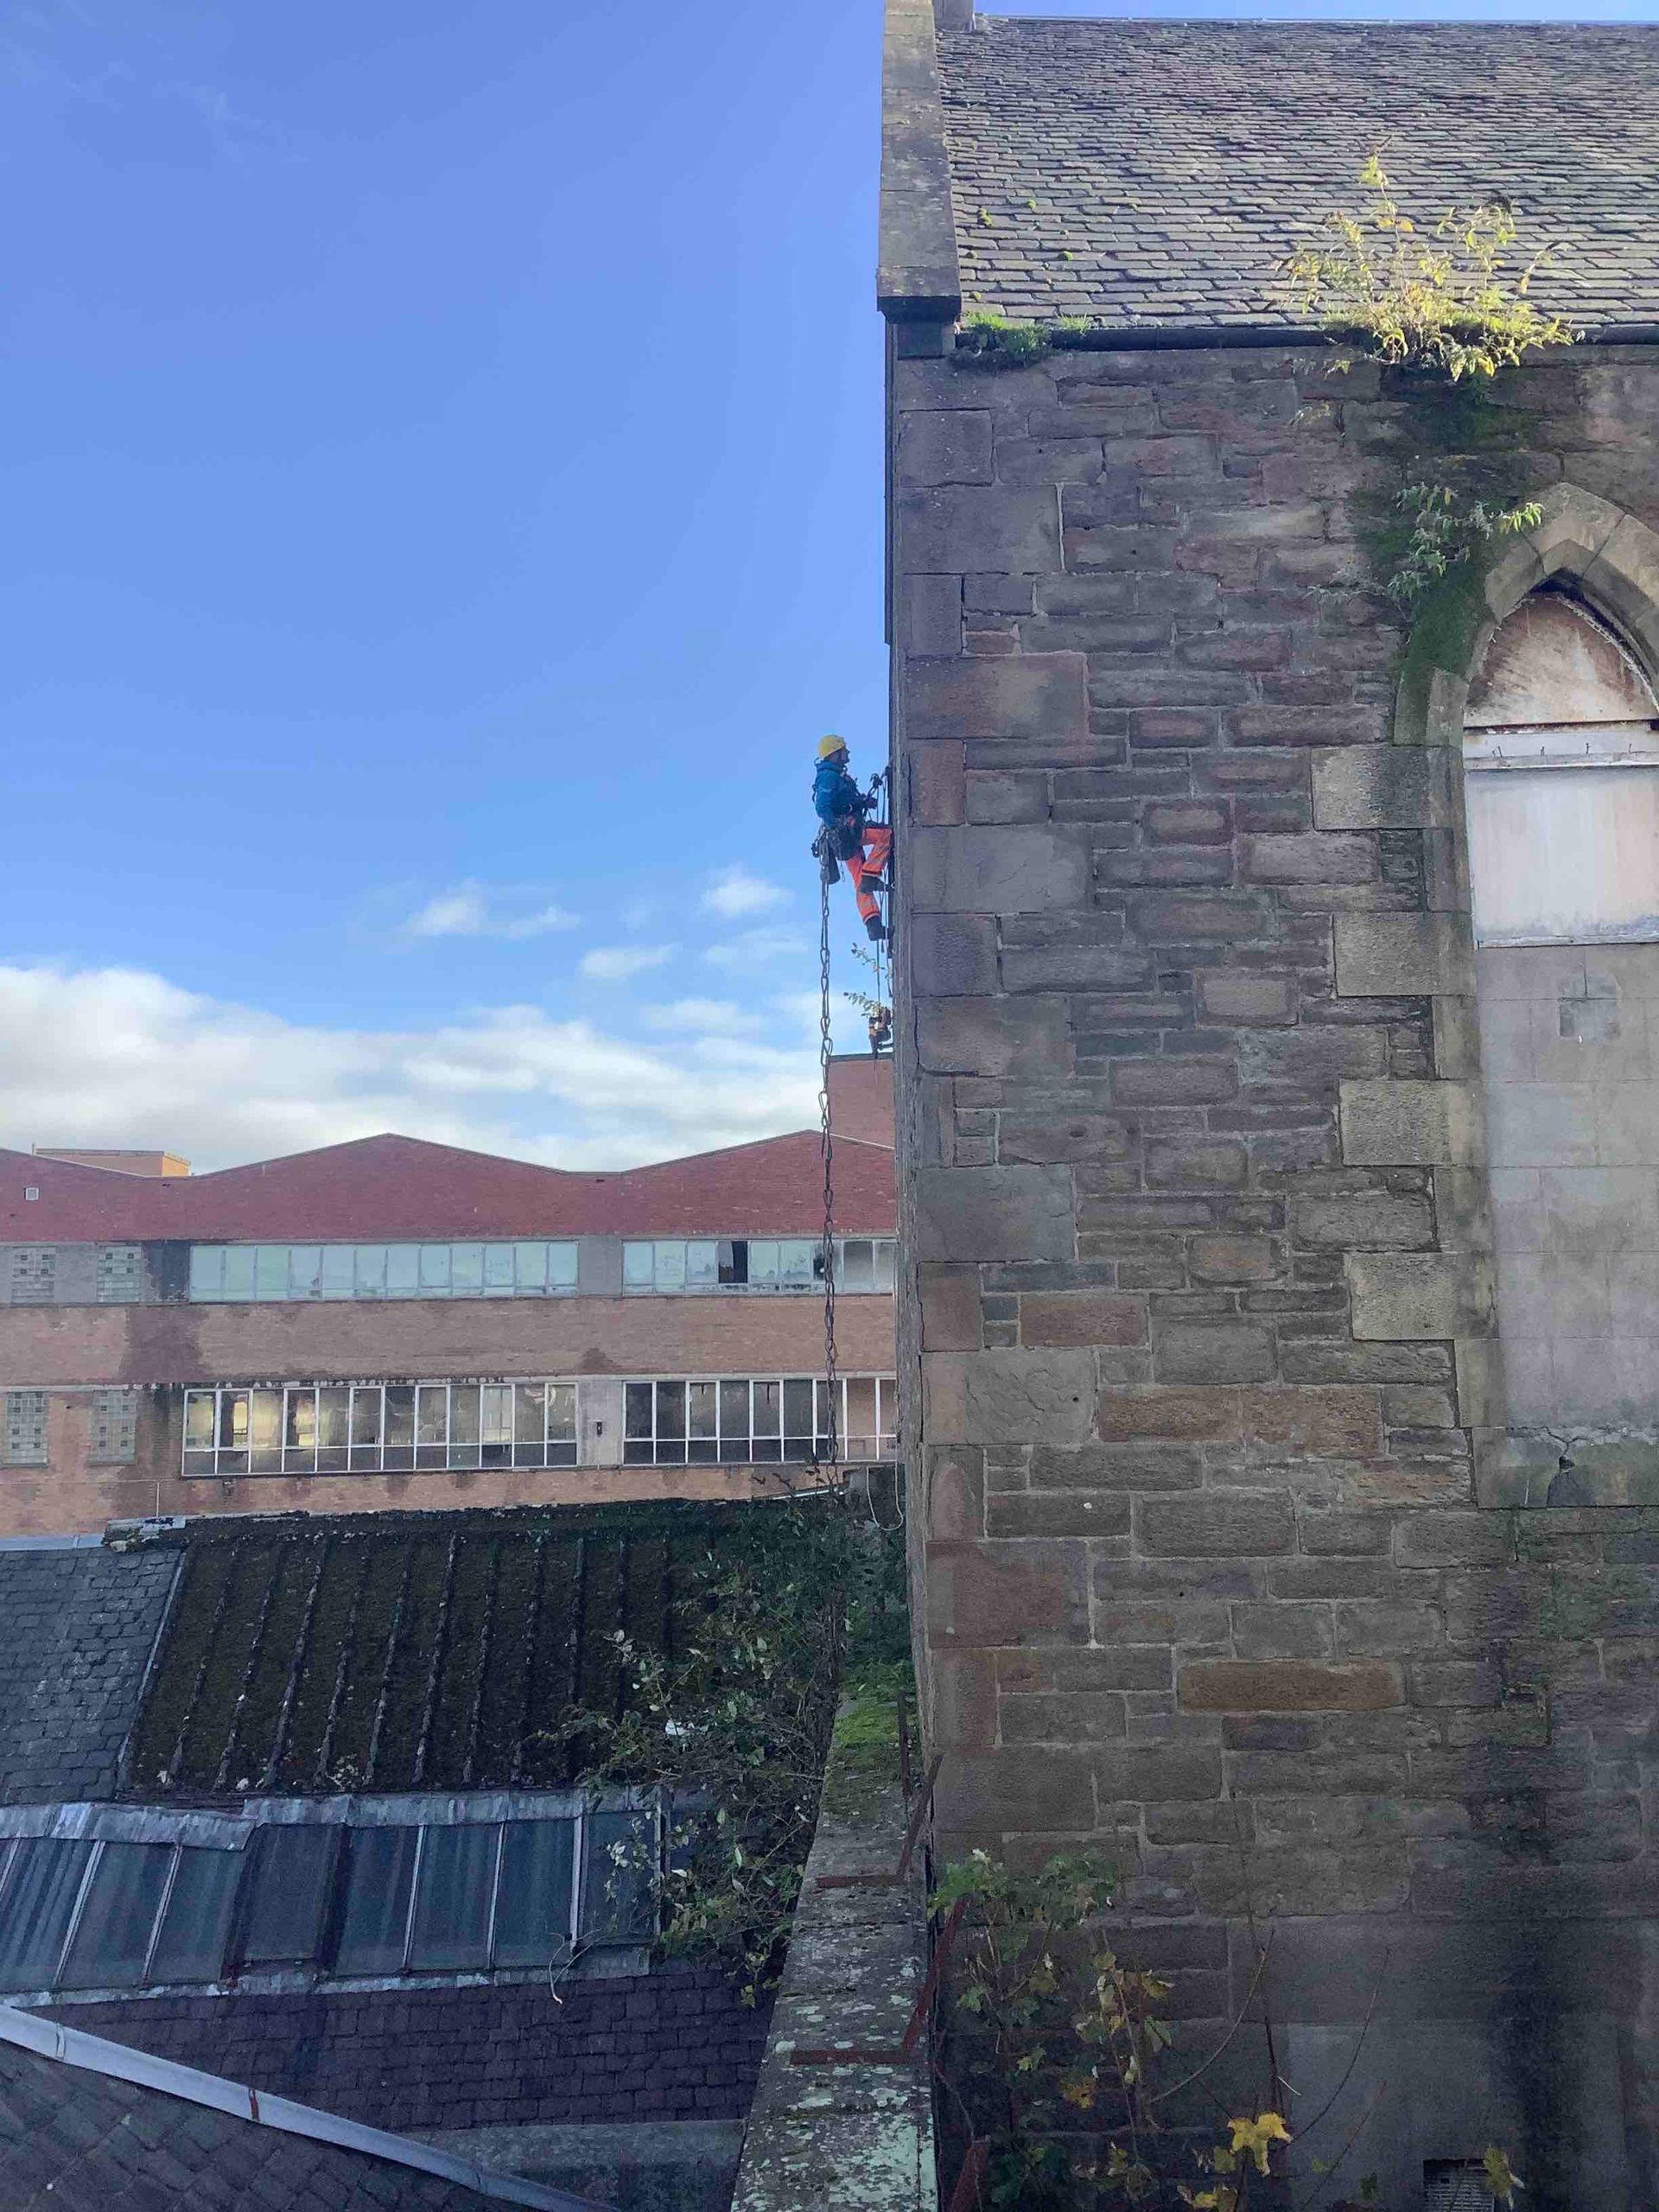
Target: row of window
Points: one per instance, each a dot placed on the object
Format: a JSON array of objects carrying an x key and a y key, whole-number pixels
[
  {"x": 674, "y": 1264},
  {"x": 240, "y": 1273},
  {"x": 735, "y": 1421},
  {"x": 111, "y": 1434},
  {"x": 467, "y": 1897},
  {"x": 379, "y": 1427}
]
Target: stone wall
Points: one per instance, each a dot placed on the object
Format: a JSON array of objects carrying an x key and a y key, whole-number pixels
[{"x": 1199, "y": 1334}]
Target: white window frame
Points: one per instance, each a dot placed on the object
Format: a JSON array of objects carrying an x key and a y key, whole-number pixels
[
  {"x": 658, "y": 1446},
  {"x": 240, "y": 1419}
]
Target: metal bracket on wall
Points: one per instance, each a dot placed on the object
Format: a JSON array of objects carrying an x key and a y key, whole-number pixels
[
  {"x": 912, "y": 1835},
  {"x": 860, "y": 2054}
]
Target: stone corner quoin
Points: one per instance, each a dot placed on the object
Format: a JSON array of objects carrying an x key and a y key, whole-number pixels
[{"x": 1202, "y": 1332}]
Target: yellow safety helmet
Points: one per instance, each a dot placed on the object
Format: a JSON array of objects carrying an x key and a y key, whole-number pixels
[{"x": 829, "y": 746}]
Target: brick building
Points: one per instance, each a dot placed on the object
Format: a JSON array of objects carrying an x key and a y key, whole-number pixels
[
  {"x": 1275, "y": 990},
  {"x": 395, "y": 1323}
]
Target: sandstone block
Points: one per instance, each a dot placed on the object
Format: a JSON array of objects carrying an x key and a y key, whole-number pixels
[
  {"x": 1188, "y": 822},
  {"x": 1173, "y": 1081},
  {"x": 929, "y": 618},
  {"x": 980, "y": 1595},
  {"x": 1084, "y": 1317},
  {"x": 1228, "y": 995},
  {"x": 950, "y": 1309},
  {"x": 1330, "y": 1423},
  {"x": 1218, "y": 1351},
  {"x": 990, "y": 1036},
  {"x": 936, "y": 779},
  {"x": 1214, "y": 1524},
  {"x": 1195, "y": 1163},
  {"x": 951, "y": 528},
  {"x": 1232, "y": 1259},
  {"x": 1401, "y": 1297},
  {"x": 1384, "y": 787},
  {"x": 1008, "y": 795},
  {"x": 1175, "y": 918},
  {"x": 1365, "y": 1219},
  {"x": 983, "y": 1794},
  {"x": 1310, "y": 857},
  {"x": 1009, "y": 1396},
  {"x": 1027, "y": 869},
  {"x": 1075, "y": 966},
  {"x": 978, "y": 1214},
  {"x": 1061, "y": 1717},
  {"x": 1049, "y": 1139},
  {"x": 1404, "y": 955},
  {"x": 949, "y": 446},
  {"x": 1165, "y": 1414},
  {"x": 1024, "y": 695},
  {"x": 1401, "y": 1123},
  {"x": 1286, "y": 1686},
  {"x": 1056, "y": 1513},
  {"x": 1116, "y": 1468},
  {"x": 1159, "y": 1773}
]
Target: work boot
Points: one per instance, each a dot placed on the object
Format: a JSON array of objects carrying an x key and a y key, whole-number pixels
[{"x": 877, "y": 929}]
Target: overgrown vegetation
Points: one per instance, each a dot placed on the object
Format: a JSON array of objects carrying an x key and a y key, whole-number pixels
[
  {"x": 734, "y": 1723},
  {"x": 1444, "y": 528},
  {"x": 1061, "y": 2060},
  {"x": 1455, "y": 297},
  {"x": 994, "y": 341}
]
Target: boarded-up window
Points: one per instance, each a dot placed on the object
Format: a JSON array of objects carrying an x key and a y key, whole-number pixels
[{"x": 1561, "y": 750}]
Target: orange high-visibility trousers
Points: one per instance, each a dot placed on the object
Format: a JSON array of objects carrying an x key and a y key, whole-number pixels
[{"x": 867, "y": 865}]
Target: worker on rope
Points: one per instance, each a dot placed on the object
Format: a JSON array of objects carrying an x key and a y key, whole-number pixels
[{"x": 848, "y": 834}]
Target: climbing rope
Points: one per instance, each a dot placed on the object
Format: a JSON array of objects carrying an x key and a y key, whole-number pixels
[{"x": 826, "y": 1052}]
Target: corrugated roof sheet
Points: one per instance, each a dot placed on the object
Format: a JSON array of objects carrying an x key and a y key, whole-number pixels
[{"x": 1160, "y": 172}]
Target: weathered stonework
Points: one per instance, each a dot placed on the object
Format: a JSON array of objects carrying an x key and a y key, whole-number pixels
[{"x": 1199, "y": 1338}]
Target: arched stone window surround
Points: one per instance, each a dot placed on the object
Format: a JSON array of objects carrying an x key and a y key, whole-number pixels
[{"x": 1416, "y": 782}]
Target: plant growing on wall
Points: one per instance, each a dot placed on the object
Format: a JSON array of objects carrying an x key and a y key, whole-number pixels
[
  {"x": 1454, "y": 297},
  {"x": 1444, "y": 528}
]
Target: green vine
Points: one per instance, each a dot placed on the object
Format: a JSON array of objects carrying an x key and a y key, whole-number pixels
[
  {"x": 1445, "y": 529},
  {"x": 1440, "y": 299}
]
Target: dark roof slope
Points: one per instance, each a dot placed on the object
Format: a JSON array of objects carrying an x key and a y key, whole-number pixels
[
  {"x": 393, "y": 1186},
  {"x": 1159, "y": 172},
  {"x": 77, "y": 1629},
  {"x": 81, "y": 2134}
]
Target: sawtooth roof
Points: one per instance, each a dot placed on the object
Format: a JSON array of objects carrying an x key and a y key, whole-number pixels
[
  {"x": 394, "y": 1186},
  {"x": 1159, "y": 173}
]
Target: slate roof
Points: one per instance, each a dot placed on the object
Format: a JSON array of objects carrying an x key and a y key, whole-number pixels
[
  {"x": 395, "y": 1186},
  {"x": 1177, "y": 163},
  {"x": 74, "y": 2137},
  {"x": 77, "y": 1629}
]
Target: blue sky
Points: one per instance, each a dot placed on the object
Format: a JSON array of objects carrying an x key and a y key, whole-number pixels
[{"x": 442, "y": 454}]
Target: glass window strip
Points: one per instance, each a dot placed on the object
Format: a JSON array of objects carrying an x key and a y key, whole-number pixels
[
  {"x": 769, "y": 1267},
  {"x": 303, "y": 1274},
  {"x": 704, "y": 1420},
  {"x": 384, "y": 1427}
]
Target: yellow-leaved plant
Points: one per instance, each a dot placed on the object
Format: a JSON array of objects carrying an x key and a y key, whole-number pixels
[{"x": 1454, "y": 298}]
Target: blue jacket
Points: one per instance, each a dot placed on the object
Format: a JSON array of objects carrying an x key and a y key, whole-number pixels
[{"x": 835, "y": 795}]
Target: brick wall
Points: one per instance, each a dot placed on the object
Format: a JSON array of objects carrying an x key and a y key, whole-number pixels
[
  {"x": 77, "y": 1629},
  {"x": 675, "y": 2045},
  {"x": 1198, "y": 1333}
]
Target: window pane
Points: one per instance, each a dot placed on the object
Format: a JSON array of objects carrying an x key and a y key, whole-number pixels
[
  {"x": 300, "y": 1428},
  {"x": 496, "y": 1412},
  {"x": 305, "y": 1271},
  {"x": 798, "y": 1416},
  {"x": 669, "y": 1273},
  {"x": 884, "y": 1251},
  {"x": 466, "y": 1269},
  {"x": 291, "y": 1874},
  {"x": 196, "y": 1926},
  {"x": 375, "y": 1927},
  {"x": 763, "y": 1261},
  {"x": 638, "y": 1419},
  {"x": 734, "y": 1261},
  {"x": 118, "y": 1917},
  {"x": 617, "y": 1878},
  {"x": 463, "y": 1424},
  {"x": 207, "y": 1271},
  {"x": 768, "y": 1409},
  {"x": 701, "y": 1413},
  {"x": 238, "y": 1271},
  {"x": 527, "y": 1265},
  {"x": 370, "y": 1270},
  {"x": 199, "y": 1408},
  {"x": 265, "y": 1427},
  {"x": 560, "y": 1267},
  {"x": 366, "y": 1414},
  {"x": 637, "y": 1267},
  {"x": 435, "y": 1269},
  {"x": 530, "y": 1414},
  {"x": 270, "y": 1271},
  {"x": 794, "y": 1257},
  {"x": 497, "y": 1265},
  {"x": 400, "y": 1413},
  {"x": 337, "y": 1271},
  {"x": 453, "y": 1898},
  {"x": 702, "y": 1266},
  {"x": 532, "y": 1912},
  {"x": 562, "y": 1412},
  {"x": 36, "y": 1908},
  {"x": 670, "y": 1409},
  {"x": 402, "y": 1270},
  {"x": 332, "y": 1402},
  {"x": 854, "y": 1265},
  {"x": 735, "y": 1413},
  {"x": 432, "y": 1418}
]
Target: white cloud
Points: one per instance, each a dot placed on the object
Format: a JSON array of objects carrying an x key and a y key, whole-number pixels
[
  {"x": 716, "y": 1014},
  {"x": 734, "y": 893},
  {"x": 123, "y": 1057},
  {"x": 614, "y": 963},
  {"x": 465, "y": 912},
  {"x": 757, "y": 945}
]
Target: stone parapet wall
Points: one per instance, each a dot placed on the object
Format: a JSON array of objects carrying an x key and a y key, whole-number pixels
[{"x": 1200, "y": 1333}]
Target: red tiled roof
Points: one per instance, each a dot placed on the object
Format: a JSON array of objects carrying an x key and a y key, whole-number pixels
[{"x": 393, "y": 1186}]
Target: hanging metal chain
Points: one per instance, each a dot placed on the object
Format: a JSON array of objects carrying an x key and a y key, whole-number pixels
[{"x": 826, "y": 1052}]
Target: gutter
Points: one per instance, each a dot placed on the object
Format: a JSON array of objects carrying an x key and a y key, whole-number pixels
[{"x": 119, "y": 2062}]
